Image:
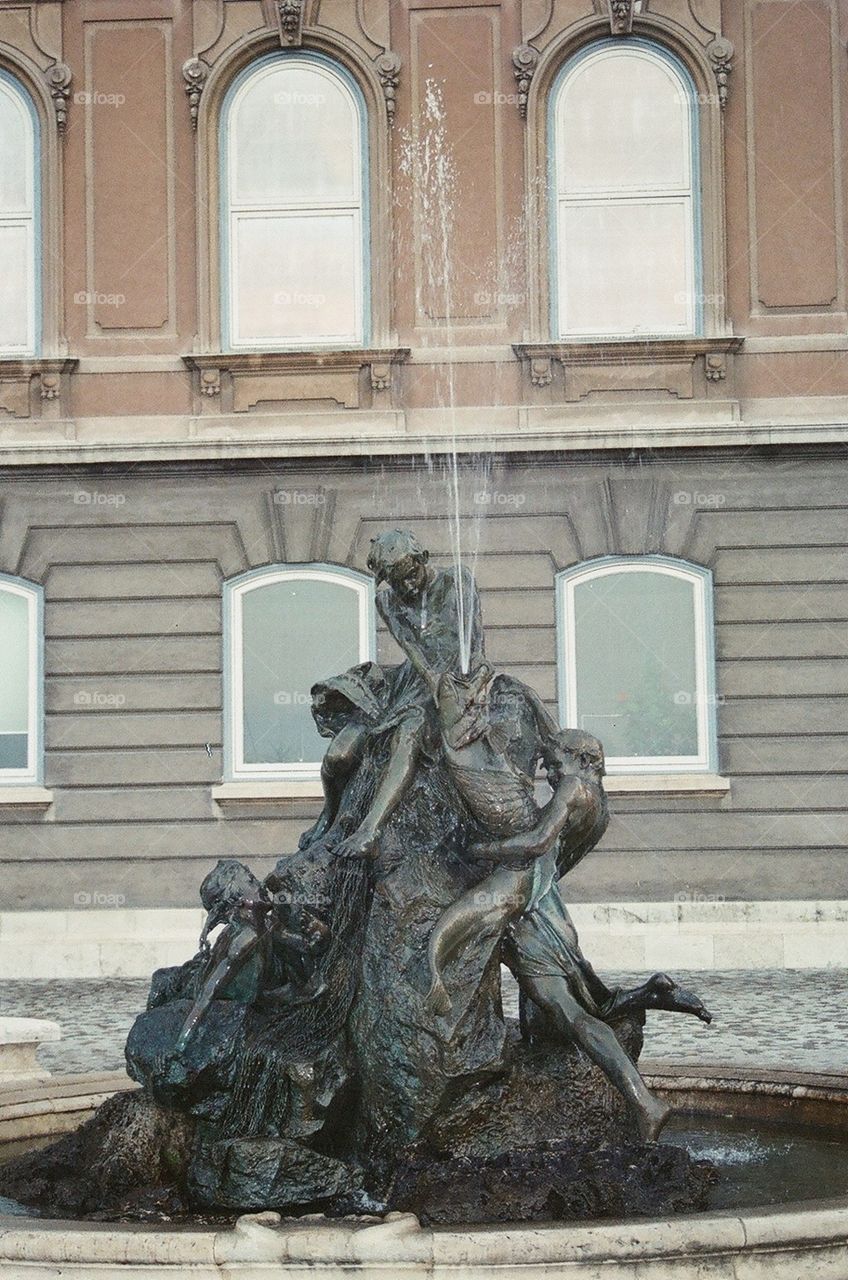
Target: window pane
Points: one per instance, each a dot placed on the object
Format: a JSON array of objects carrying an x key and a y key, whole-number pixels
[
  {"x": 16, "y": 144},
  {"x": 15, "y": 287},
  {"x": 636, "y": 666},
  {"x": 296, "y": 279},
  {"x": 295, "y": 137},
  {"x": 624, "y": 268},
  {"x": 623, "y": 122},
  {"x": 294, "y": 633},
  {"x": 15, "y": 682}
]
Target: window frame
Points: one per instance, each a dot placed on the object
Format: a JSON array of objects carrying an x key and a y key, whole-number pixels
[
  {"x": 701, "y": 581},
  {"x": 32, "y": 220},
  {"x": 235, "y": 589},
  {"x": 554, "y": 200},
  {"x": 363, "y": 264},
  {"x": 33, "y": 593}
]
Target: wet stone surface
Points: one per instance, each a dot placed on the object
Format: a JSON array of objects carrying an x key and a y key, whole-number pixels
[{"x": 789, "y": 1018}]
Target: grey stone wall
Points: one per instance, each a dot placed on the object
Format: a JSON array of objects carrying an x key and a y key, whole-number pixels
[{"x": 132, "y": 564}]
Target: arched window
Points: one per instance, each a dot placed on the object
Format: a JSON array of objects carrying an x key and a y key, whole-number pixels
[
  {"x": 21, "y": 681},
  {"x": 294, "y": 217},
  {"x": 285, "y": 629},
  {"x": 624, "y": 195},
  {"x": 636, "y": 661},
  {"x": 19, "y": 290}
]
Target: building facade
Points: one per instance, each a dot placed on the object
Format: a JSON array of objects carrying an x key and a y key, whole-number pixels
[{"x": 275, "y": 275}]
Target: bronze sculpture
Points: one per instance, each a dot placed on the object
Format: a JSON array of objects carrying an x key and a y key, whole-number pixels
[{"x": 348, "y": 1018}]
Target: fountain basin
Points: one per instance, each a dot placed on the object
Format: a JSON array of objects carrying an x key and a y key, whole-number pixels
[{"x": 806, "y": 1239}]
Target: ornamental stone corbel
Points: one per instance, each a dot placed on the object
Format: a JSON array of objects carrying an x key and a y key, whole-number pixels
[
  {"x": 720, "y": 53},
  {"x": 58, "y": 79},
  {"x": 541, "y": 371},
  {"x": 525, "y": 60},
  {"x": 195, "y": 75},
  {"x": 621, "y": 16},
  {"x": 388, "y": 66},
  {"x": 290, "y": 16}
]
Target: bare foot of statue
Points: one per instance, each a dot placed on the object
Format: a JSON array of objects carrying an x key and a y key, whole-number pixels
[
  {"x": 438, "y": 1002},
  {"x": 651, "y": 1119},
  {"x": 362, "y": 844},
  {"x": 660, "y": 992}
]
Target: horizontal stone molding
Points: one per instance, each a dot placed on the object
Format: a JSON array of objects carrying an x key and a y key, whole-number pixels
[
  {"x": 260, "y": 792},
  {"x": 28, "y": 797}
]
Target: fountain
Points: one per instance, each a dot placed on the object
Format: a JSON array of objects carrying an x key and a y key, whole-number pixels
[{"x": 330, "y": 1084}]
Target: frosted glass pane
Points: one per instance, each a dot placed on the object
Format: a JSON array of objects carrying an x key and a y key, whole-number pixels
[
  {"x": 623, "y": 122},
  {"x": 15, "y": 287},
  {"x": 294, "y": 136},
  {"x": 16, "y": 144},
  {"x": 625, "y": 268},
  {"x": 296, "y": 279},
  {"x": 294, "y": 633},
  {"x": 636, "y": 670},
  {"x": 15, "y": 681}
]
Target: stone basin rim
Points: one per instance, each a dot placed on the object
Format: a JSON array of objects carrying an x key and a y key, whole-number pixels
[{"x": 661, "y": 1246}]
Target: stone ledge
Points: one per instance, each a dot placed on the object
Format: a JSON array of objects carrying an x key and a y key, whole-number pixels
[
  {"x": 26, "y": 797},
  {"x": 226, "y": 793},
  {"x": 667, "y": 783}
]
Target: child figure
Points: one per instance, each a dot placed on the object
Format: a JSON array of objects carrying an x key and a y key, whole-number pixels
[
  {"x": 525, "y": 856},
  {"x": 239, "y": 957},
  {"x": 434, "y": 615}
]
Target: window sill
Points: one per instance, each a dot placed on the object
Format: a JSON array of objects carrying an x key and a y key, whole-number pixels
[
  {"x": 25, "y": 797},
  {"x": 35, "y": 386},
  {"x": 242, "y": 382},
  {"x": 263, "y": 790},
  {"x": 684, "y": 368},
  {"x": 708, "y": 784}
]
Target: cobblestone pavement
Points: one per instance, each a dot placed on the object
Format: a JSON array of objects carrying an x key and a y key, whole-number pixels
[{"x": 789, "y": 1018}]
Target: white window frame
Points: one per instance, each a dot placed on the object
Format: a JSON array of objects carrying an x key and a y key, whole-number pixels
[
  {"x": 33, "y": 594},
  {"x": 686, "y": 195},
  {"x": 235, "y": 768},
  {"x": 234, "y": 213},
  {"x": 700, "y": 580},
  {"x": 27, "y": 217}
]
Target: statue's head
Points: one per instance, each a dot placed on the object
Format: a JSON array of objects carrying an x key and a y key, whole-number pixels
[
  {"x": 397, "y": 557},
  {"x": 229, "y": 884},
  {"x": 572, "y": 751}
]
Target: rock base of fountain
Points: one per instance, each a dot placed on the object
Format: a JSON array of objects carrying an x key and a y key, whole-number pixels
[{"x": 491, "y": 1157}]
